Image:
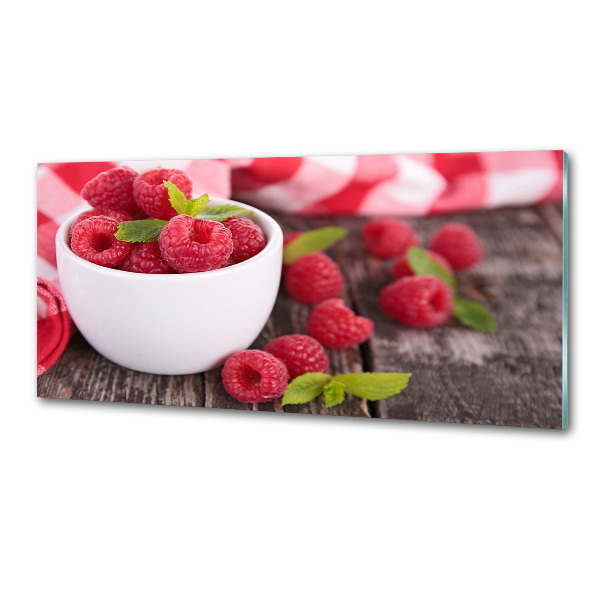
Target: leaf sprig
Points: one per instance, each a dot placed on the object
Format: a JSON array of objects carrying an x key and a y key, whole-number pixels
[
  {"x": 468, "y": 312},
  {"x": 222, "y": 212},
  {"x": 312, "y": 241},
  {"x": 149, "y": 230},
  {"x": 372, "y": 386},
  {"x": 140, "y": 231},
  {"x": 422, "y": 264}
]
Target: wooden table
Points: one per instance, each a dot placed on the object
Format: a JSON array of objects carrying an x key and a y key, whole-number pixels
[{"x": 511, "y": 377}]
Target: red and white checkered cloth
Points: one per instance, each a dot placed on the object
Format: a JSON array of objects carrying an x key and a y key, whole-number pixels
[
  {"x": 388, "y": 184},
  {"x": 398, "y": 184}
]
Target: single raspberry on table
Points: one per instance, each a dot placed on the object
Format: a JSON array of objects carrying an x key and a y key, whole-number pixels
[
  {"x": 248, "y": 239},
  {"x": 112, "y": 189},
  {"x": 401, "y": 266},
  {"x": 336, "y": 326},
  {"x": 145, "y": 257},
  {"x": 419, "y": 301},
  {"x": 313, "y": 278},
  {"x": 118, "y": 215},
  {"x": 152, "y": 196},
  {"x": 300, "y": 354},
  {"x": 458, "y": 244},
  {"x": 94, "y": 240},
  {"x": 192, "y": 245},
  {"x": 388, "y": 237},
  {"x": 254, "y": 376}
]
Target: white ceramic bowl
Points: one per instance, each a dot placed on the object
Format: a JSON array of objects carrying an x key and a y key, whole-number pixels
[{"x": 172, "y": 324}]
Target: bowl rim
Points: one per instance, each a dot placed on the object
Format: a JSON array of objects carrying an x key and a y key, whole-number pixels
[{"x": 274, "y": 243}]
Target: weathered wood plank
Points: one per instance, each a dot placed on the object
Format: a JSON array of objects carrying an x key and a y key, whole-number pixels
[
  {"x": 508, "y": 391},
  {"x": 83, "y": 374},
  {"x": 512, "y": 377},
  {"x": 553, "y": 215}
]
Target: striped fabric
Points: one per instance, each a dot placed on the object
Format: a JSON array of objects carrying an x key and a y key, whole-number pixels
[{"x": 398, "y": 184}]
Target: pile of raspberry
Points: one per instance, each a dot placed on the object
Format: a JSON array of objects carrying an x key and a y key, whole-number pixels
[
  {"x": 423, "y": 301},
  {"x": 420, "y": 300},
  {"x": 185, "y": 245},
  {"x": 316, "y": 280},
  {"x": 263, "y": 375}
]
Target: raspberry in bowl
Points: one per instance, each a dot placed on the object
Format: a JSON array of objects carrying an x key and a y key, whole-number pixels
[{"x": 172, "y": 323}]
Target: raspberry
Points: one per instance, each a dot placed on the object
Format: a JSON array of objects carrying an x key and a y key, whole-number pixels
[
  {"x": 313, "y": 278},
  {"x": 334, "y": 325},
  {"x": 152, "y": 196},
  {"x": 299, "y": 353},
  {"x": 254, "y": 376},
  {"x": 94, "y": 240},
  {"x": 248, "y": 239},
  {"x": 458, "y": 244},
  {"x": 388, "y": 237},
  {"x": 119, "y": 215},
  {"x": 419, "y": 301},
  {"x": 401, "y": 268},
  {"x": 192, "y": 245},
  {"x": 146, "y": 258},
  {"x": 112, "y": 189}
]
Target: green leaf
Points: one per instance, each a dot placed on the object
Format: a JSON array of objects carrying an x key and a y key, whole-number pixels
[
  {"x": 334, "y": 393},
  {"x": 473, "y": 315},
  {"x": 140, "y": 231},
  {"x": 181, "y": 204},
  {"x": 422, "y": 264},
  {"x": 312, "y": 241},
  {"x": 176, "y": 197},
  {"x": 373, "y": 386},
  {"x": 222, "y": 212},
  {"x": 197, "y": 205},
  {"x": 305, "y": 388}
]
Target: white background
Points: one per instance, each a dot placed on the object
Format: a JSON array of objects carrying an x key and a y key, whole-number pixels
[{"x": 126, "y": 502}]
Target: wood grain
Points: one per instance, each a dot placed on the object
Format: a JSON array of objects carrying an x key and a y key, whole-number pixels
[
  {"x": 83, "y": 374},
  {"x": 512, "y": 377}
]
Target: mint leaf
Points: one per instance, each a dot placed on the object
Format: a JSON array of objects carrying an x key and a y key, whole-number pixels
[
  {"x": 422, "y": 264},
  {"x": 197, "y": 205},
  {"x": 181, "y": 204},
  {"x": 222, "y": 212},
  {"x": 305, "y": 388},
  {"x": 334, "y": 393},
  {"x": 176, "y": 197},
  {"x": 373, "y": 386},
  {"x": 312, "y": 241},
  {"x": 140, "y": 231},
  {"x": 473, "y": 315}
]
